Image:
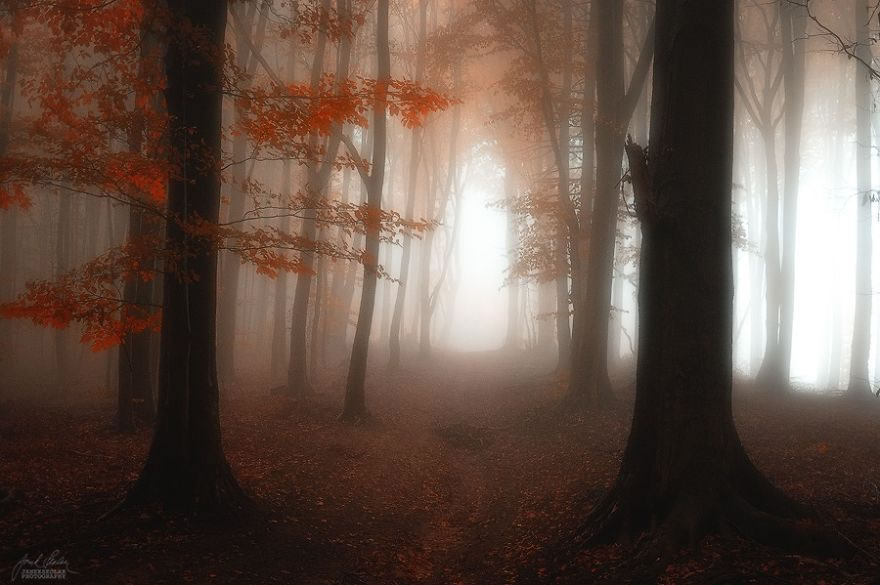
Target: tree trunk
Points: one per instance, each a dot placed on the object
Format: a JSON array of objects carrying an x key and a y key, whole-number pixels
[
  {"x": 415, "y": 158},
  {"x": 772, "y": 270},
  {"x": 355, "y": 400},
  {"x": 279, "y": 319},
  {"x": 684, "y": 472},
  {"x": 514, "y": 318},
  {"x": 228, "y": 310},
  {"x": 9, "y": 225},
  {"x": 62, "y": 265},
  {"x": 186, "y": 468},
  {"x": 859, "y": 382},
  {"x": 589, "y": 379},
  {"x": 134, "y": 377},
  {"x": 318, "y": 175},
  {"x": 794, "y": 27}
]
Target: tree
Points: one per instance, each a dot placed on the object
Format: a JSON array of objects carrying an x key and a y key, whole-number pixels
[
  {"x": 684, "y": 471},
  {"x": 135, "y": 376},
  {"x": 859, "y": 382},
  {"x": 355, "y": 400},
  {"x": 247, "y": 45},
  {"x": 186, "y": 468},
  {"x": 615, "y": 106},
  {"x": 411, "y": 195},
  {"x": 794, "y": 25},
  {"x": 8, "y": 256}
]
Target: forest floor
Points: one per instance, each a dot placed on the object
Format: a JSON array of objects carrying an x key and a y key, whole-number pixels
[{"x": 470, "y": 473}]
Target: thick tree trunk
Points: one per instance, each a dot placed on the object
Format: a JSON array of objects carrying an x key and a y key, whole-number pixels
[
  {"x": 684, "y": 472},
  {"x": 355, "y": 407},
  {"x": 859, "y": 381},
  {"x": 186, "y": 468}
]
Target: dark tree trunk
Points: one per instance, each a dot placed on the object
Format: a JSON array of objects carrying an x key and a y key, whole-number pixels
[
  {"x": 684, "y": 471},
  {"x": 859, "y": 382},
  {"x": 134, "y": 376},
  {"x": 355, "y": 407},
  {"x": 186, "y": 468}
]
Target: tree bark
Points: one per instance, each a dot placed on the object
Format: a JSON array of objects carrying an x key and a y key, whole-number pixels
[
  {"x": 684, "y": 472},
  {"x": 355, "y": 400},
  {"x": 186, "y": 468}
]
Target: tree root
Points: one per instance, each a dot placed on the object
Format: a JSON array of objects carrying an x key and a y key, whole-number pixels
[
  {"x": 759, "y": 513},
  {"x": 204, "y": 491}
]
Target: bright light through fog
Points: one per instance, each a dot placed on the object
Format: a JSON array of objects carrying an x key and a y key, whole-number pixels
[{"x": 479, "y": 321}]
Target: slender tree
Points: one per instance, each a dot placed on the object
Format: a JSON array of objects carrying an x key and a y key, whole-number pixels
[
  {"x": 414, "y": 161},
  {"x": 615, "y": 106},
  {"x": 9, "y": 219},
  {"x": 794, "y": 27},
  {"x": 859, "y": 382},
  {"x": 355, "y": 400}
]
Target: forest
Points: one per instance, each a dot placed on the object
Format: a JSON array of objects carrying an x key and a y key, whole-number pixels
[{"x": 440, "y": 292}]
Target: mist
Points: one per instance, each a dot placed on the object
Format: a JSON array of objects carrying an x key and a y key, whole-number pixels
[{"x": 439, "y": 291}]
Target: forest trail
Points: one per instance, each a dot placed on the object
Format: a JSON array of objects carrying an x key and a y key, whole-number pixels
[{"x": 468, "y": 474}]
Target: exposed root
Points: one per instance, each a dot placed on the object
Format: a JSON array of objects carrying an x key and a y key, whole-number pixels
[
  {"x": 636, "y": 518},
  {"x": 205, "y": 491}
]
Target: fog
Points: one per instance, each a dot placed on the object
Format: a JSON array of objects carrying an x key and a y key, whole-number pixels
[
  {"x": 418, "y": 278},
  {"x": 471, "y": 254}
]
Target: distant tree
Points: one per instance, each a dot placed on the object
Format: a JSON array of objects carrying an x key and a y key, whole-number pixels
[
  {"x": 8, "y": 216},
  {"x": 859, "y": 382},
  {"x": 616, "y": 104},
  {"x": 684, "y": 472},
  {"x": 411, "y": 196},
  {"x": 355, "y": 400}
]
